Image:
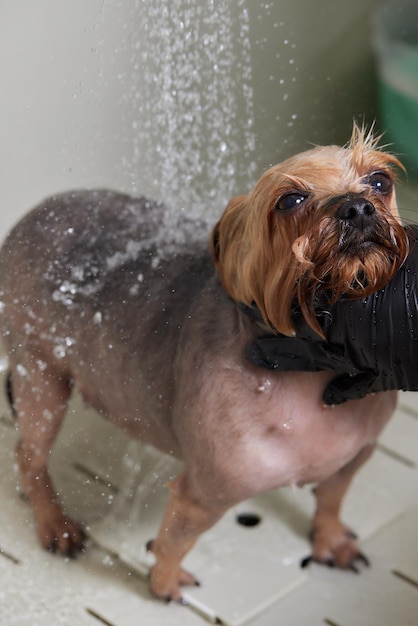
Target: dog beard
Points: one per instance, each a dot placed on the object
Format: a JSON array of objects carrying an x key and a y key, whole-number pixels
[{"x": 340, "y": 259}]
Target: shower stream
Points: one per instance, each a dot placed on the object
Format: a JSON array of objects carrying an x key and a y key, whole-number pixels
[{"x": 192, "y": 139}]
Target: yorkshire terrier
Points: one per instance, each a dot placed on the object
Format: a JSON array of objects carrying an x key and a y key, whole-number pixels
[{"x": 155, "y": 339}]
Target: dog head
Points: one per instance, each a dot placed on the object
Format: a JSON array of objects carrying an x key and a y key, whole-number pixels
[{"x": 325, "y": 219}]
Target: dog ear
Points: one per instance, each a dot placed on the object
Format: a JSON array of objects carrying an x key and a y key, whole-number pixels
[{"x": 218, "y": 233}]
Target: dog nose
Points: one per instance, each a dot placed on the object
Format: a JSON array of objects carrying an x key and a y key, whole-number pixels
[{"x": 356, "y": 211}]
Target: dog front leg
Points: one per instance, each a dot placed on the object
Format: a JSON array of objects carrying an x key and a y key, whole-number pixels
[
  {"x": 332, "y": 542},
  {"x": 185, "y": 518}
]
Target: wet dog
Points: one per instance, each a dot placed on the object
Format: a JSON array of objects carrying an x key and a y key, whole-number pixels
[{"x": 117, "y": 297}]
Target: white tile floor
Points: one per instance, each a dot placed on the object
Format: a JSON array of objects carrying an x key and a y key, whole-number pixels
[{"x": 249, "y": 575}]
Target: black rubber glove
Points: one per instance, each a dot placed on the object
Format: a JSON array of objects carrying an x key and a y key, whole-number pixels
[{"x": 371, "y": 344}]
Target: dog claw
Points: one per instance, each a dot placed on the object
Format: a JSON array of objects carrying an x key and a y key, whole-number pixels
[
  {"x": 351, "y": 534},
  {"x": 330, "y": 562},
  {"x": 363, "y": 558},
  {"x": 168, "y": 599},
  {"x": 182, "y": 601},
  {"x": 68, "y": 542},
  {"x": 306, "y": 561},
  {"x": 72, "y": 551}
]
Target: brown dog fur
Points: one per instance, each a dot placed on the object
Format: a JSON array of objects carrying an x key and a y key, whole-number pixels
[{"x": 99, "y": 294}]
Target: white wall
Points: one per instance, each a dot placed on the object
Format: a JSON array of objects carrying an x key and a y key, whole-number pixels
[{"x": 72, "y": 90}]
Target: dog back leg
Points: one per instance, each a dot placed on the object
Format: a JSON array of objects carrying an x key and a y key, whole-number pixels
[
  {"x": 40, "y": 402},
  {"x": 332, "y": 542},
  {"x": 185, "y": 518}
]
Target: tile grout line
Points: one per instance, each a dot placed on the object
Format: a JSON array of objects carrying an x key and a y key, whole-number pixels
[{"x": 396, "y": 456}]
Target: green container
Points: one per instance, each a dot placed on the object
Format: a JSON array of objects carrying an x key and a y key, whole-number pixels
[{"x": 396, "y": 45}]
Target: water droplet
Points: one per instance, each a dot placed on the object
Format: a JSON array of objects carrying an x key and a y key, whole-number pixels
[
  {"x": 264, "y": 386},
  {"x": 288, "y": 424},
  {"x": 21, "y": 370},
  {"x": 46, "y": 414},
  {"x": 59, "y": 351}
]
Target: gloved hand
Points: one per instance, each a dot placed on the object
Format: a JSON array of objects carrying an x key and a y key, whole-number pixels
[{"x": 371, "y": 344}]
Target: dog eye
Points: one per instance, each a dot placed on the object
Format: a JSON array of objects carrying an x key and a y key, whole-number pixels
[
  {"x": 290, "y": 201},
  {"x": 380, "y": 182}
]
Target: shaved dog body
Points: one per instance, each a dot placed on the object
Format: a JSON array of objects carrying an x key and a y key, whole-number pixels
[{"x": 102, "y": 292}]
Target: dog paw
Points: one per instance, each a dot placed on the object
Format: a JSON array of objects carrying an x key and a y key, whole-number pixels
[
  {"x": 335, "y": 545},
  {"x": 166, "y": 581},
  {"x": 167, "y": 585},
  {"x": 59, "y": 533}
]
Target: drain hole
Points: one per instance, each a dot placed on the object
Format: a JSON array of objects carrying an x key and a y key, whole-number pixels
[{"x": 248, "y": 519}]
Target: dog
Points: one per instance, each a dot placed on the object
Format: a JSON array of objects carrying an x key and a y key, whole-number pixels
[{"x": 118, "y": 298}]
